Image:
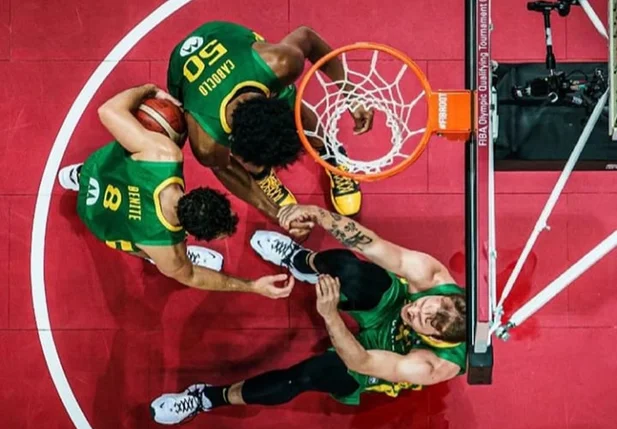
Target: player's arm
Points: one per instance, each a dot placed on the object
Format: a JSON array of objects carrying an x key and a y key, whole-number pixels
[
  {"x": 173, "y": 262},
  {"x": 420, "y": 269},
  {"x": 117, "y": 116},
  {"x": 230, "y": 173},
  {"x": 240, "y": 183},
  {"x": 207, "y": 151},
  {"x": 421, "y": 367},
  {"x": 418, "y": 367},
  {"x": 305, "y": 43}
]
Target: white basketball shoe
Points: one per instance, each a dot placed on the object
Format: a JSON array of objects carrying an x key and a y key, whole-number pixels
[
  {"x": 202, "y": 257},
  {"x": 68, "y": 177},
  {"x": 176, "y": 408},
  {"x": 280, "y": 250},
  {"x": 206, "y": 258}
]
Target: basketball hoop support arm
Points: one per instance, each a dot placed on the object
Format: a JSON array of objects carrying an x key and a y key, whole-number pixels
[
  {"x": 593, "y": 17},
  {"x": 573, "y": 272},
  {"x": 559, "y": 284},
  {"x": 541, "y": 224}
]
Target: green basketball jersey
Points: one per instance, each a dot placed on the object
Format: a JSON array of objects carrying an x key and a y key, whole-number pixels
[
  {"x": 209, "y": 67},
  {"x": 119, "y": 201},
  {"x": 383, "y": 329}
]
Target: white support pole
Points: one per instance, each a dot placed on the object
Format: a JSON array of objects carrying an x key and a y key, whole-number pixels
[
  {"x": 492, "y": 247},
  {"x": 552, "y": 199},
  {"x": 593, "y": 17},
  {"x": 560, "y": 283}
]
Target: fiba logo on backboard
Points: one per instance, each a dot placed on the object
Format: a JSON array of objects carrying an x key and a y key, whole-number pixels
[
  {"x": 484, "y": 74},
  {"x": 93, "y": 192},
  {"x": 442, "y": 117},
  {"x": 191, "y": 45}
]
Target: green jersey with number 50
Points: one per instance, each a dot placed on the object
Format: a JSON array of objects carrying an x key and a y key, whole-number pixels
[
  {"x": 209, "y": 67},
  {"x": 119, "y": 201}
]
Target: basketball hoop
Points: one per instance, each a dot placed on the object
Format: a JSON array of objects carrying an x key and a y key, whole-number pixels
[{"x": 448, "y": 113}]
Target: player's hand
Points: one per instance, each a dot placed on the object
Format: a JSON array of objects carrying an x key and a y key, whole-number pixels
[
  {"x": 297, "y": 216},
  {"x": 300, "y": 231},
  {"x": 162, "y": 95},
  {"x": 266, "y": 286},
  {"x": 363, "y": 119},
  {"x": 328, "y": 295}
]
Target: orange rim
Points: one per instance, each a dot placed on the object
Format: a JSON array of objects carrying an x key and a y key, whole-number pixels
[
  {"x": 457, "y": 126},
  {"x": 355, "y": 47}
]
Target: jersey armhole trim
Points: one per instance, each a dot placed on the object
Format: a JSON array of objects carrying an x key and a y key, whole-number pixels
[
  {"x": 157, "y": 243},
  {"x": 228, "y": 97},
  {"x": 157, "y": 202}
]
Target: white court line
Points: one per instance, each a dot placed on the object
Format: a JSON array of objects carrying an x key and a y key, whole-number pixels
[{"x": 39, "y": 223}]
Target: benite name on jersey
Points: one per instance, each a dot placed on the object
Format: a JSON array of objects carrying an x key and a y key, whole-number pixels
[
  {"x": 207, "y": 57},
  {"x": 113, "y": 199},
  {"x": 134, "y": 203}
]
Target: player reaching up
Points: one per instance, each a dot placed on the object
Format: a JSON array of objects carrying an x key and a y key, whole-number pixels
[{"x": 238, "y": 93}]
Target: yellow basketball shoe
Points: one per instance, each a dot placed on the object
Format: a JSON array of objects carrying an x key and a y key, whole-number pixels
[
  {"x": 275, "y": 190},
  {"x": 345, "y": 193}
]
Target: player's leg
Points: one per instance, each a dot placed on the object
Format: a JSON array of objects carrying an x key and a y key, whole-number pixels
[
  {"x": 266, "y": 179},
  {"x": 68, "y": 177},
  {"x": 363, "y": 283},
  {"x": 345, "y": 193},
  {"x": 323, "y": 373},
  {"x": 271, "y": 185}
]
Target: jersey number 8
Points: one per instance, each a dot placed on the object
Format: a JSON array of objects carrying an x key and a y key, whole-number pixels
[{"x": 112, "y": 198}]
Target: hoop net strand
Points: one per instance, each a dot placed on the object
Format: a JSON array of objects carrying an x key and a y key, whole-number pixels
[{"x": 372, "y": 91}]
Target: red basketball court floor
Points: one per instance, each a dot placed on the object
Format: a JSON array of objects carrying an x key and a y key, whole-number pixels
[{"x": 124, "y": 334}]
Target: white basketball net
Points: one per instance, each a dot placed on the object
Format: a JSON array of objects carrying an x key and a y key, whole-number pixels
[{"x": 372, "y": 91}]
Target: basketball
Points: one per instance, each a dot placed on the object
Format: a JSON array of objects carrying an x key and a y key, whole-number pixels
[{"x": 163, "y": 116}]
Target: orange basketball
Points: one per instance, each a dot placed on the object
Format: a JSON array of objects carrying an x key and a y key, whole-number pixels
[{"x": 163, "y": 116}]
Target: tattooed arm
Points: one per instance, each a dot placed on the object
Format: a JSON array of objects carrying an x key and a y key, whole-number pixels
[{"x": 420, "y": 269}]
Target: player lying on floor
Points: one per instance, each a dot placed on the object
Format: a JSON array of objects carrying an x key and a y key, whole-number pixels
[
  {"x": 238, "y": 93},
  {"x": 132, "y": 197},
  {"x": 411, "y": 314}
]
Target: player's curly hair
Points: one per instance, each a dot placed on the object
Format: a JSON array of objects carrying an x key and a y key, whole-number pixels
[
  {"x": 264, "y": 133},
  {"x": 451, "y": 320},
  {"x": 206, "y": 214}
]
